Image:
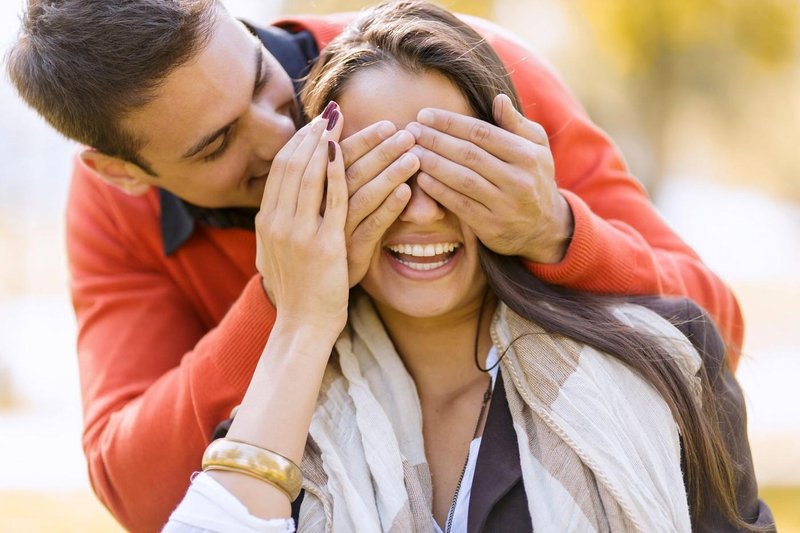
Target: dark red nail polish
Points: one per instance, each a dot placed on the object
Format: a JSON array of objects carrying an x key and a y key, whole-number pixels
[
  {"x": 328, "y": 108},
  {"x": 331, "y": 151},
  {"x": 332, "y": 120}
]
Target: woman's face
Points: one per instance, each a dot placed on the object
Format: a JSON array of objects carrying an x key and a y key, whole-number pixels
[{"x": 427, "y": 263}]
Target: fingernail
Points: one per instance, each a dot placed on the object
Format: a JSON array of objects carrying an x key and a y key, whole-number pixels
[
  {"x": 332, "y": 120},
  {"x": 407, "y": 161},
  {"x": 385, "y": 129},
  {"x": 405, "y": 139},
  {"x": 414, "y": 129},
  {"x": 331, "y": 151},
  {"x": 328, "y": 108},
  {"x": 401, "y": 192},
  {"x": 426, "y": 115}
]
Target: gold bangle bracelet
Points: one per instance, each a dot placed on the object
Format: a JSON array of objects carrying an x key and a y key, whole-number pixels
[{"x": 266, "y": 465}]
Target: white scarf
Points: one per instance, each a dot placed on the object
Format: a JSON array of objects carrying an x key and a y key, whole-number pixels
[{"x": 599, "y": 449}]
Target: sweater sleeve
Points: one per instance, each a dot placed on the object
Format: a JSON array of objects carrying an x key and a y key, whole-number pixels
[
  {"x": 620, "y": 245},
  {"x": 154, "y": 383}
]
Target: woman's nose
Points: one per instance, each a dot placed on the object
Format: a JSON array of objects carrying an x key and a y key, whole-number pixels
[{"x": 421, "y": 208}]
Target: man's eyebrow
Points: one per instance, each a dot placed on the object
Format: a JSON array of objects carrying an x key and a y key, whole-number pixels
[{"x": 259, "y": 82}]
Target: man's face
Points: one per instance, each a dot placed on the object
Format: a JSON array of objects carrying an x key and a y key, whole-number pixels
[{"x": 215, "y": 125}]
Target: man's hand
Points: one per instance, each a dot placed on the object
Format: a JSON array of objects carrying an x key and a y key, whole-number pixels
[
  {"x": 500, "y": 180},
  {"x": 378, "y": 165}
]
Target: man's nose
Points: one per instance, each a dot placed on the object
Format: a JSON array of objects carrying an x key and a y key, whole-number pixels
[
  {"x": 421, "y": 208},
  {"x": 269, "y": 131}
]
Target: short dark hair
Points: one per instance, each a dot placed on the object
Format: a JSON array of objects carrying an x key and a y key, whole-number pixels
[{"x": 84, "y": 65}]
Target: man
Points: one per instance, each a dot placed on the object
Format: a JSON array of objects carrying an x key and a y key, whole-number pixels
[{"x": 183, "y": 110}]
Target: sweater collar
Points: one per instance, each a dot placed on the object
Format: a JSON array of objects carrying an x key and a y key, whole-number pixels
[{"x": 296, "y": 53}]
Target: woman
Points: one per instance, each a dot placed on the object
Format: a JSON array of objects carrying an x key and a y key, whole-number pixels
[{"x": 463, "y": 393}]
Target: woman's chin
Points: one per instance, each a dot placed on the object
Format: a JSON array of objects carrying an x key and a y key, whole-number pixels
[{"x": 419, "y": 306}]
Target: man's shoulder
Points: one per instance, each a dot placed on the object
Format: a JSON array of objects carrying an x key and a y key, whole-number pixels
[
  {"x": 88, "y": 189},
  {"x": 324, "y": 28},
  {"x": 101, "y": 212}
]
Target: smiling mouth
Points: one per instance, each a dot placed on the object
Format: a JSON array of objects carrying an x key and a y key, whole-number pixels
[{"x": 424, "y": 257}]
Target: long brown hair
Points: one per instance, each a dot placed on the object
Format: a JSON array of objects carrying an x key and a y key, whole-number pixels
[{"x": 418, "y": 37}]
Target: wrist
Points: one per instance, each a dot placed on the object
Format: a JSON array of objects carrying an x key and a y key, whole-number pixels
[
  {"x": 556, "y": 238},
  {"x": 302, "y": 328}
]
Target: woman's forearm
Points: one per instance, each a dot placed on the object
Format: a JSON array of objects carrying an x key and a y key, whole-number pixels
[{"x": 277, "y": 408}]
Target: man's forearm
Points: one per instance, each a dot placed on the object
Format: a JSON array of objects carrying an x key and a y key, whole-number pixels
[{"x": 145, "y": 434}]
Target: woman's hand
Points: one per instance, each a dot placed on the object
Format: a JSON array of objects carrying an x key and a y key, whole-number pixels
[
  {"x": 498, "y": 179},
  {"x": 301, "y": 252}
]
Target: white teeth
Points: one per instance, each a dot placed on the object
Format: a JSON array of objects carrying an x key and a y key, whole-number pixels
[
  {"x": 423, "y": 266},
  {"x": 426, "y": 250}
]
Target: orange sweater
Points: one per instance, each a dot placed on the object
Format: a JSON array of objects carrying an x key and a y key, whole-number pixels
[{"x": 167, "y": 345}]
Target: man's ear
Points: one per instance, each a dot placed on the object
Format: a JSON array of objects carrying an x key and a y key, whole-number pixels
[{"x": 122, "y": 174}]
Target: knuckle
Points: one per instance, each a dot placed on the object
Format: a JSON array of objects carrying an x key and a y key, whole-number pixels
[
  {"x": 306, "y": 185},
  {"x": 432, "y": 141},
  {"x": 262, "y": 219},
  {"x": 426, "y": 137},
  {"x": 448, "y": 123},
  {"x": 357, "y": 203},
  {"x": 521, "y": 153},
  {"x": 293, "y": 167},
  {"x": 279, "y": 234},
  {"x": 374, "y": 225},
  {"x": 539, "y": 131},
  {"x": 479, "y": 132},
  {"x": 464, "y": 205},
  {"x": 355, "y": 146},
  {"x": 468, "y": 183},
  {"x": 334, "y": 202},
  {"x": 353, "y": 176},
  {"x": 367, "y": 142},
  {"x": 471, "y": 155}
]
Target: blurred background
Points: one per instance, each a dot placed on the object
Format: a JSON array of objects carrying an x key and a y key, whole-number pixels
[{"x": 703, "y": 97}]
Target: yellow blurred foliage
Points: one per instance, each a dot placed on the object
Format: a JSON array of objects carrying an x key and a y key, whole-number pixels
[{"x": 636, "y": 35}]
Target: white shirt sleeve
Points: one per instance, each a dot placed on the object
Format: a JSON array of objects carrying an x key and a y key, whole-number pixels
[{"x": 208, "y": 507}]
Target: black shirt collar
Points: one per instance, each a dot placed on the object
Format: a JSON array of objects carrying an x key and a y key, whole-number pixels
[{"x": 295, "y": 52}]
